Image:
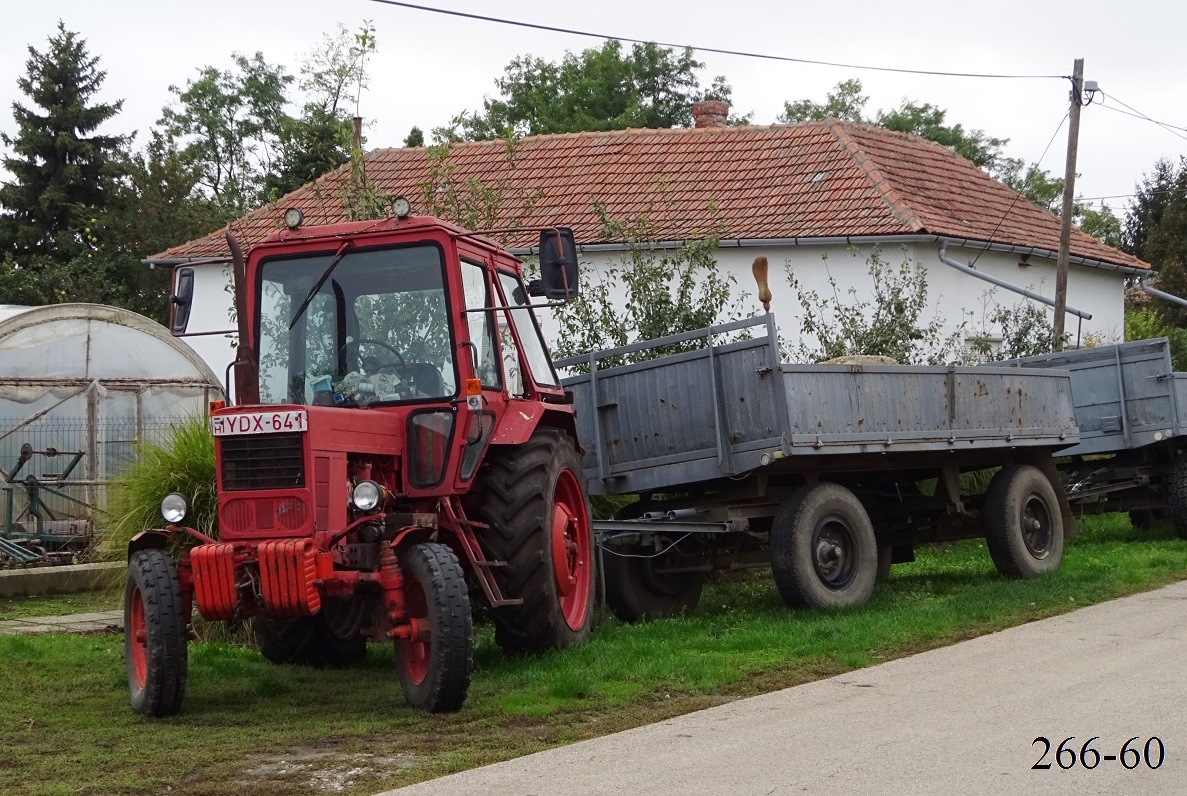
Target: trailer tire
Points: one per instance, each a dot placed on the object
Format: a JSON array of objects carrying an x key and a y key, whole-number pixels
[
  {"x": 1023, "y": 523},
  {"x": 333, "y": 637},
  {"x": 539, "y": 517},
  {"x": 155, "y": 652},
  {"x": 823, "y": 551},
  {"x": 434, "y": 667},
  {"x": 635, "y": 592},
  {"x": 1176, "y": 495}
]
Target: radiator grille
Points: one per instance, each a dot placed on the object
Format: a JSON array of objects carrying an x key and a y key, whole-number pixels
[{"x": 263, "y": 461}]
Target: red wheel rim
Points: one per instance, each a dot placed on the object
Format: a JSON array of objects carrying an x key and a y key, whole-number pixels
[
  {"x": 571, "y": 554},
  {"x": 137, "y": 631},
  {"x": 414, "y": 652}
]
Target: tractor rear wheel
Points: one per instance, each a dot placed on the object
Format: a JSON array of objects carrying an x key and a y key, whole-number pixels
[
  {"x": 535, "y": 503},
  {"x": 332, "y": 637},
  {"x": 155, "y": 651},
  {"x": 434, "y": 662}
]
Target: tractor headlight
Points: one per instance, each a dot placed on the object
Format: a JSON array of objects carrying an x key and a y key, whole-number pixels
[
  {"x": 366, "y": 495},
  {"x": 175, "y": 508}
]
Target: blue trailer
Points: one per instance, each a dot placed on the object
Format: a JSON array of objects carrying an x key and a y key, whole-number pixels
[
  {"x": 829, "y": 473},
  {"x": 1131, "y": 409}
]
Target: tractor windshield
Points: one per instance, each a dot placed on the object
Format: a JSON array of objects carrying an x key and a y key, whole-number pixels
[{"x": 376, "y": 330}]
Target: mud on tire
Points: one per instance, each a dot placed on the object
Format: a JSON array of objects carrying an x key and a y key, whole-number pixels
[{"x": 533, "y": 499}]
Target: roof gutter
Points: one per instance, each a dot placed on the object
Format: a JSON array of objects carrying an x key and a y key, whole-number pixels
[
  {"x": 170, "y": 262},
  {"x": 1030, "y": 294},
  {"x": 1159, "y": 294},
  {"x": 867, "y": 240}
]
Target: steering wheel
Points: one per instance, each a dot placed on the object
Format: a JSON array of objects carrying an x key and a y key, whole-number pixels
[{"x": 397, "y": 362}]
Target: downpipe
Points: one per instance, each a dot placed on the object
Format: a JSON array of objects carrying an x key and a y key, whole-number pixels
[{"x": 1030, "y": 294}]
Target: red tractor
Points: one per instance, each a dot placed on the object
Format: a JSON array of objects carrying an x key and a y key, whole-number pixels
[{"x": 400, "y": 440}]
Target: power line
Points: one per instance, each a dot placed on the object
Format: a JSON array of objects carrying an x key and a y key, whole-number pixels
[
  {"x": 1018, "y": 194},
  {"x": 718, "y": 50},
  {"x": 1170, "y": 128}
]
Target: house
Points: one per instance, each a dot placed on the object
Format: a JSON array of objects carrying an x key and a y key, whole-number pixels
[{"x": 791, "y": 193}]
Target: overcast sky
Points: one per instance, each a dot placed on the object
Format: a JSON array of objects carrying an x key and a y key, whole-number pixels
[{"x": 429, "y": 67}]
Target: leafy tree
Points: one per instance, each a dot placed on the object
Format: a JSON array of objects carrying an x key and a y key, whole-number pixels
[
  {"x": 1145, "y": 210},
  {"x": 844, "y": 102},
  {"x": 229, "y": 122},
  {"x": 666, "y": 292},
  {"x": 598, "y": 89},
  {"x": 1103, "y": 224},
  {"x": 320, "y": 139},
  {"x": 416, "y": 137},
  {"x": 1144, "y": 323},
  {"x": 1027, "y": 329},
  {"x": 892, "y": 325},
  {"x": 1165, "y": 248},
  {"x": 63, "y": 173}
]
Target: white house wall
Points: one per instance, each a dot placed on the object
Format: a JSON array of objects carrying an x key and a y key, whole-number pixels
[{"x": 962, "y": 302}]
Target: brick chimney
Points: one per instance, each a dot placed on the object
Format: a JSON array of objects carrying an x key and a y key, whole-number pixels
[{"x": 710, "y": 113}]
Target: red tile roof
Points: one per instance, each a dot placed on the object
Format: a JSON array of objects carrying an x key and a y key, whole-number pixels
[{"x": 817, "y": 179}]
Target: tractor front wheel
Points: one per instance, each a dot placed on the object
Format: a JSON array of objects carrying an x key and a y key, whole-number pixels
[
  {"x": 539, "y": 516},
  {"x": 435, "y": 657},
  {"x": 154, "y": 634}
]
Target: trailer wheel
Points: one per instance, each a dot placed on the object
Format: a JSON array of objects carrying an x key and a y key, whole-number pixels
[
  {"x": 536, "y": 506},
  {"x": 332, "y": 637},
  {"x": 1023, "y": 524},
  {"x": 434, "y": 663},
  {"x": 636, "y": 592},
  {"x": 155, "y": 653},
  {"x": 1176, "y": 495},
  {"x": 823, "y": 550}
]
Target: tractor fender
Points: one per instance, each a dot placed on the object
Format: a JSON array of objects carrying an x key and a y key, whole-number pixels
[
  {"x": 147, "y": 540},
  {"x": 523, "y": 418}
]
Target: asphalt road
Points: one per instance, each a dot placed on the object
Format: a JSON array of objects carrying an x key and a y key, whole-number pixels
[{"x": 962, "y": 719}]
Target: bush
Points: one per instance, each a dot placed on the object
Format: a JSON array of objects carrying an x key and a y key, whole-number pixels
[{"x": 182, "y": 462}]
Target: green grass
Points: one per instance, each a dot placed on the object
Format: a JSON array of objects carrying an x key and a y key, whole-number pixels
[
  {"x": 253, "y": 729},
  {"x": 59, "y": 604}
]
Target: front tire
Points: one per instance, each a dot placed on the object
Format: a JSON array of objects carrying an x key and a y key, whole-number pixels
[
  {"x": 435, "y": 662},
  {"x": 1023, "y": 523},
  {"x": 823, "y": 551},
  {"x": 536, "y": 506},
  {"x": 155, "y": 651}
]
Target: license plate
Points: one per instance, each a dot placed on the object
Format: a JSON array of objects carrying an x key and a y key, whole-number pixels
[{"x": 258, "y": 423}]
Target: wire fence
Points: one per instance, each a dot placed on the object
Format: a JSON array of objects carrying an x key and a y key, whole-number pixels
[{"x": 54, "y": 476}]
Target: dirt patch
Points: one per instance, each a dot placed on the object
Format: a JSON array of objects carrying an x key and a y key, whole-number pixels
[{"x": 325, "y": 771}]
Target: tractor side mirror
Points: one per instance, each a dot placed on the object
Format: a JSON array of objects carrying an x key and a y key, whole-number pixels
[
  {"x": 558, "y": 264},
  {"x": 181, "y": 301}
]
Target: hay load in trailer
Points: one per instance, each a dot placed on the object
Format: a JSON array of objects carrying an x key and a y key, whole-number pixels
[{"x": 81, "y": 385}]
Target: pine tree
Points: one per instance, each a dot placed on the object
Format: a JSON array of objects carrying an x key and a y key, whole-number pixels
[{"x": 63, "y": 172}]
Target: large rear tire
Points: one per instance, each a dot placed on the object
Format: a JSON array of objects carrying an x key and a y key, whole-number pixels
[
  {"x": 823, "y": 551},
  {"x": 1023, "y": 523},
  {"x": 434, "y": 664},
  {"x": 637, "y": 588},
  {"x": 1176, "y": 495},
  {"x": 535, "y": 503},
  {"x": 155, "y": 651},
  {"x": 332, "y": 637}
]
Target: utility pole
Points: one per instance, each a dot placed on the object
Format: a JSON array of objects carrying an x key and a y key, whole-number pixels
[{"x": 1069, "y": 193}]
